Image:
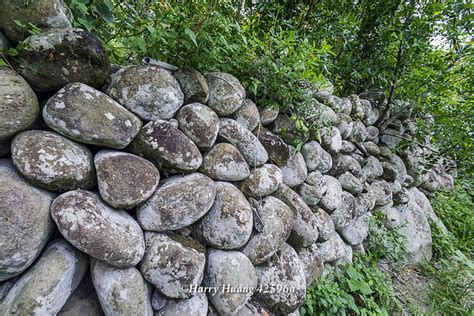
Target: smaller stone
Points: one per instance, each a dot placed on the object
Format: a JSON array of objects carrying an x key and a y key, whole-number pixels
[
  {"x": 381, "y": 191},
  {"x": 268, "y": 115},
  {"x": 346, "y": 212},
  {"x": 193, "y": 84},
  {"x": 313, "y": 189},
  {"x": 294, "y": 171},
  {"x": 278, "y": 151},
  {"x": 332, "y": 199},
  {"x": 224, "y": 162},
  {"x": 332, "y": 139},
  {"x": 316, "y": 157},
  {"x": 248, "y": 115},
  {"x": 350, "y": 183},
  {"x": 196, "y": 305},
  {"x": 332, "y": 249},
  {"x": 262, "y": 181},
  {"x": 200, "y": 123},
  {"x": 356, "y": 232},
  {"x": 226, "y": 94}
]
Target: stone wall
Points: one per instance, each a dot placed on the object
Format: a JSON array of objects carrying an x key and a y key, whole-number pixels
[{"x": 138, "y": 190}]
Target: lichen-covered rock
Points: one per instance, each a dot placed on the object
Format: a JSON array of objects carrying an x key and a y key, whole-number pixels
[
  {"x": 268, "y": 115},
  {"x": 165, "y": 145},
  {"x": 357, "y": 231},
  {"x": 173, "y": 264},
  {"x": 347, "y": 147},
  {"x": 229, "y": 222},
  {"x": 196, "y": 305},
  {"x": 343, "y": 163},
  {"x": 312, "y": 262},
  {"x": 372, "y": 169},
  {"x": 88, "y": 116},
  {"x": 313, "y": 189},
  {"x": 224, "y": 162},
  {"x": 262, "y": 181},
  {"x": 365, "y": 202},
  {"x": 359, "y": 132},
  {"x": 332, "y": 199},
  {"x": 56, "y": 57},
  {"x": 44, "y": 289},
  {"x": 200, "y": 123},
  {"x": 345, "y": 213},
  {"x": 231, "y": 269},
  {"x": 331, "y": 139},
  {"x": 305, "y": 225},
  {"x": 371, "y": 148},
  {"x": 83, "y": 301},
  {"x": 284, "y": 271},
  {"x": 278, "y": 151},
  {"x": 284, "y": 127},
  {"x": 18, "y": 104},
  {"x": 52, "y": 161},
  {"x": 178, "y": 202},
  {"x": 345, "y": 125},
  {"x": 325, "y": 223},
  {"x": 394, "y": 169},
  {"x": 226, "y": 94},
  {"x": 372, "y": 133},
  {"x": 248, "y": 115},
  {"x": 392, "y": 138},
  {"x": 25, "y": 224},
  {"x": 193, "y": 84},
  {"x": 42, "y": 14},
  {"x": 125, "y": 180},
  {"x": 350, "y": 183},
  {"x": 316, "y": 157},
  {"x": 149, "y": 91},
  {"x": 332, "y": 249},
  {"x": 381, "y": 191},
  {"x": 121, "y": 291},
  {"x": 247, "y": 143},
  {"x": 93, "y": 227},
  {"x": 276, "y": 222},
  {"x": 294, "y": 171}
]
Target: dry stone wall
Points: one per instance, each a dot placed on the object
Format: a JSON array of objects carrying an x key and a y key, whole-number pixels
[{"x": 142, "y": 191}]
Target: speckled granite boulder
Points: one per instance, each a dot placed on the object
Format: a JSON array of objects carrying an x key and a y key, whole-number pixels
[
  {"x": 200, "y": 123},
  {"x": 226, "y": 94}
]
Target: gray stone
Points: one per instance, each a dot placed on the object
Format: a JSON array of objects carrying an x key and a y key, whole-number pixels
[
  {"x": 344, "y": 163},
  {"x": 178, "y": 202},
  {"x": 294, "y": 171},
  {"x": 268, "y": 115},
  {"x": 248, "y": 115},
  {"x": 262, "y": 181},
  {"x": 165, "y": 145},
  {"x": 125, "y": 180},
  {"x": 284, "y": 271},
  {"x": 357, "y": 231},
  {"x": 234, "y": 270},
  {"x": 229, "y": 222},
  {"x": 44, "y": 289},
  {"x": 347, "y": 147},
  {"x": 56, "y": 57},
  {"x": 376, "y": 98},
  {"x": 224, "y": 162},
  {"x": 345, "y": 213},
  {"x": 88, "y": 116},
  {"x": 313, "y": 189},
  {"x": 196, "y": 305},
  {"x": 200, "y": 123},
  {"x": 371, "y": 117},
  {"x": 391, "y": 138},
  {"x": 365, "y": 202},
  {"x": 371, "y": 148},
  {"x": 52, "y": 161},
  {"x": 372, "y": 133},
  {"x": 335, "y": 103},
  {"x": 173, "y": 264},
  {"x": 332, "y": 249},
  {"x": 316, "y": 157},
  {"x": 121, "y": 291},
  {"x": 247, "y": 143},
  {"x": 305, "y": 226},
  {"x": 359, "y": 132},
  {"x": 18, "y": 104},
  {"x": 193, "y": 84},
  {"x": 381, "y": 191},
  {"x": 332, "y": 199},
  {"x": 93, "y": 227},
  {"x": 312, "y": 262},
  {"x": 325, "y": 223},
  {"x": 149, "y": 91},
  {"x": 347, "y": 106},
  {"x": 345, "y": 125},
  {"x": 83, "y": 301},
  {"x": 278, "y": 151},
  {"x": 276, "y": 224},
  {"x": 372, "y": 169},
  {"x": 332, "y": 140},
  {"x": 25, "y": 224},
  {"x": 350, "y": 183},
  {"x": 284, "y": 127},
  {"x": 226, "y": 94}
]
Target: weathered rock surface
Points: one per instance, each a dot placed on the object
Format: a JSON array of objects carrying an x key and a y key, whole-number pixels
[
  {"x": 177, "y": 203},
  {"x": 200, "y": 123},
  {"x": 294, "y": 171},
  {"x": 93, "y": 227},
  {"x": 56, "y": 57},
  {"x": 248, "y": 115},
  {"x": 233, "y": 270},
  {"x": 278, "y": 151},
  {"x": 25, "y": 224},
  {"x": 262, "y": 181},
  {"x": 346, "y": 212},
  {"x": 268, "y": 115},
  {"x": 229, "y": 222},
  {"x": 125, "y": 180},
  {"x": 149, "y": 91},
  {"x": 52, "y": 161},
  {"x": 165, "y": 145},
  {"x": 332, "y": 249},
  {"x": 226, "y": 94},
  {"x": 316, "y": 157},
  {"x": 18, "y": 104},
  {"x": 44, "y": 289},
  {"x": 83, "y": 301},
  {"x": 381, "y": 191},
  {"x": 313, "y": 189},
  {"x": 332, "y": 198},
  {"x": 225, "y": 162},
  {"x": 312, "y": 262},
  {"x": 121, "y": 291},
  {"x": 332, "y": 140},
  {"x": 193, "y": 84},
  {"x": 196, "y": 305},
  {"x": 357, "y": 231},
  {"x": 88, "y": 116},
  {"x": 350, "y": 183}
]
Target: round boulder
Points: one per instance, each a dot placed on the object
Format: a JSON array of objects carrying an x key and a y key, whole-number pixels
[
  {"x": 315, "y": 157},
  {"x": 262, "y": 181},
  {"x": 226, "y": 94},
  {"x": 200, "y": 123},
  {"x": 294, "y": 171},
  {"x": 193, "y": 84},
  {"x": 224, "y": 162},
  {"x": 332, "y": 199},
  {"x": 313, "y": 189},
  {"x": 196, "y": 305},
  {"x": 278, "y": 151},
  {"x": 248, "y": 115}
]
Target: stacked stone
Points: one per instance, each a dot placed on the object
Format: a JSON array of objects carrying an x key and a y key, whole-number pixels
[{"x": 128, "y": 193}]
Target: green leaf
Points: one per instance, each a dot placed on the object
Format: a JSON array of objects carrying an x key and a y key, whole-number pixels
[{"x": 191, "y": 35}]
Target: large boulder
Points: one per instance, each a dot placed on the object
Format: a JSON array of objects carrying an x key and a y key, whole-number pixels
[
  {"x": 248, "y": 115},
  {"x": 18, "y": 104},
  {"x": 294, "y": 171},
  {"x": 165, "y": 145},
  {"x": 200, "y": 123},
  {"x": 93, "y": 227},
  {"x": 52, "y": 161},
  {"x": 246, "y": 142},
  {"x": 88, "y": 116},
  {"x": 178, "y": 202},
  {"x": 316, "y": 157},
  {"x": 174, "y": 264},
  {"x": 229, "y": 222},
  {"x": 121, "y": 291},
  {"x": 262, "y": 181},
  {"x": 149, "y": 91},
  {"x": 56, "y": 57},
  {"x": 284, "y": 278},
  {"x": 43, "y": 14},
  {"x": 44, "y": 289},
  {"x": 226, "y": 94},
  {"x": 225, "y": 162},
  {"x": 278, "y": 151},
  {"x": 125, "y": 180},
  {"x": 275, "y": 224},
  {"x": 227, "y": 270},
  {"x": 193, "y": 84},
  {"x": 25, "y": 223}
]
